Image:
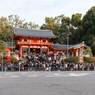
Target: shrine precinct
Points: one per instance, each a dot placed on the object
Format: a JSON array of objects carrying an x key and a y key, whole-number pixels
[{"x": 37, "y": 41}]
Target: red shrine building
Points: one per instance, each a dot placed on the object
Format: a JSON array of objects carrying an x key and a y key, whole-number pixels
[
  {"x": 57, "y": 49},
  {"x": 37, "y": 41},
  {"x": 9, "y": 48}
]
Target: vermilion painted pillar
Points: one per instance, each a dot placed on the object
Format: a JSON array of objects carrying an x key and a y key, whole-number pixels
[
  {"x": 41, "y": 50},
  {"x": 76, "y": 53},
  {"x": 72, "y": 54},
  {"x": 9, "y": 52},
  {"x": 29, "y": 50},
  {"x": 20, "y": 51},
  {"x": 68, "y": 54},
  {"x": 56, "y": 54},
  {"x": 48, "y": 51}
]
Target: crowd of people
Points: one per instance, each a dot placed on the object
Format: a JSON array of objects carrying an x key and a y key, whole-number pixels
[{"x": 43, "y": 62}]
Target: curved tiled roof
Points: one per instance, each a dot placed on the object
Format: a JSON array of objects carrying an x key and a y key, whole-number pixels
[
  {"x": 58, "y": 46},
  {"x": 77, "y": 45},
  {"x": 9, "y": 44},
  {"x": 35, "y": 33}
]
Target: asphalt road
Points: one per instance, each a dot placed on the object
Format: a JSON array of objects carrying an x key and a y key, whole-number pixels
[{"x": 47, "y": 83}]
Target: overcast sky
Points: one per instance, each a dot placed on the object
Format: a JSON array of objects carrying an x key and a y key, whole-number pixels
[{"x": 36, "y": 10}]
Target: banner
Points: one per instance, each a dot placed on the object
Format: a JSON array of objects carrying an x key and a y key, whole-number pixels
[
  {"x": 92, "y": 58},
  {"x": 8, "y": 58},
  {"x": 82, "y": 60}
]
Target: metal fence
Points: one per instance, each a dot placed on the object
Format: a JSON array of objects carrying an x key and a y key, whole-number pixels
[{"x": 19, "y": 68}]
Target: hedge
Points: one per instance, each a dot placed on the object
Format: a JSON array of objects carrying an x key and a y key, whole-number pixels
[
  {"x": 13, "y": 59},
  {"x": 75, "y": 59},
  {"x": 86, "y": 59}
]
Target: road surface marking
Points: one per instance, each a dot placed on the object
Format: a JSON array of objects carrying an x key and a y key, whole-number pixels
[
  {"x": 9, "y": 76},
  {"x": 55, "y": 74},
  {"x": 80, "y": 74},
  {"x": 14, "y": 76},
  {"x": 32, "y": 75},
  {"x": 71, "y": 74}
]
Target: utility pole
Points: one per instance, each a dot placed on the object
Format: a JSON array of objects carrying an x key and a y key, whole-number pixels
[
  {"x": 12, "y": 38},
  {"x": 68, "y": 43},
  {"x": 2, "y": 61}
]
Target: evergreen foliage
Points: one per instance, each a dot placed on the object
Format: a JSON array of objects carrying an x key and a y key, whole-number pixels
[
  {"x": 2, "y": 46},
  {"x": 75, "y": 59},
  {"x": 13, "y": 59}
]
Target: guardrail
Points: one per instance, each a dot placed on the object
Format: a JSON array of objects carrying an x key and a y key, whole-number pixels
[{"x": 19, "y": 68}]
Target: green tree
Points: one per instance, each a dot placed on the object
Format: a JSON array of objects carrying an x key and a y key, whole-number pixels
[
  {"x": 88, "y": 23},
  {"x": 7, "y": 25},
  {"x": 5, "y": 29},
  {"x": 2, "y": 37},
  {"x": 60, "y": 25},
  {"x": 76, "y": 20},
  {"x": 29, "y": 25},
  {"x": 15, "y": 21},
  {"x": 65, "y": 29},
  {"x": 77, "y": 35},
  {"x": 51, "y": 24},
  {"x": 32, "y": 25},
  {"x": 87, "y": 51},
  {"x": 2, "y": 46},
  {"x": 25, "y": 25},
  {"x": 76, "y": 28}
]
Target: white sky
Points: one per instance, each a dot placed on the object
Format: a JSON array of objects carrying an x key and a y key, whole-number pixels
[{"x": 36, "y": 10}]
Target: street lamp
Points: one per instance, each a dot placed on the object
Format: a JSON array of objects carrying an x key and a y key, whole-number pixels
[{"x": 68, "y": 42}]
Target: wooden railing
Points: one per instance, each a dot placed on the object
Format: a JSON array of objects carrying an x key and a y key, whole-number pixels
[{"x": 35, "y": 43}]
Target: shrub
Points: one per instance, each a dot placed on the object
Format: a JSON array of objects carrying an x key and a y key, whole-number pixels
[
  {"x": 86, "y": 59},
  {"x": 89, "y": 60},
  {"x": 13, "y": 59},
  {"x": 75, "y": 59}
]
